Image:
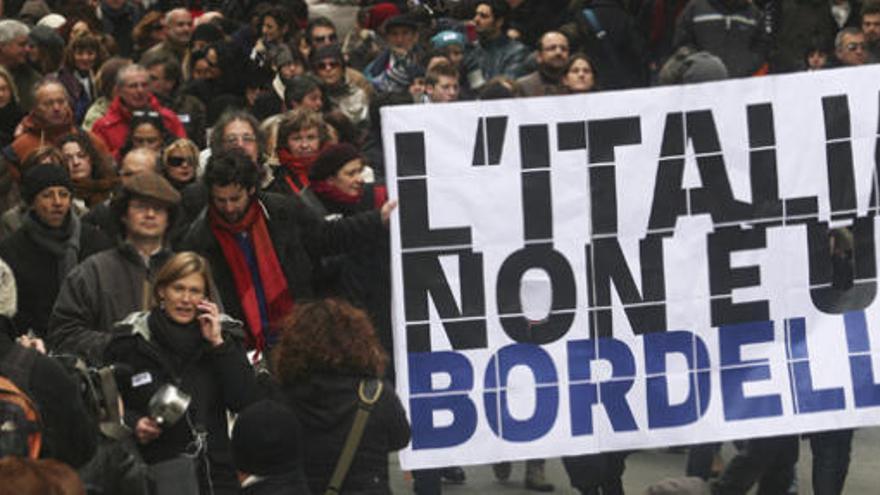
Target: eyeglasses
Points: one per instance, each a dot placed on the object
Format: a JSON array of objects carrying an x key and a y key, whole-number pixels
[
  {"x": 851, "y": 47},
  {"x": 327, "y": 38},
  {"x": 327, "y": 65},
  {"x": 177, "y": 161},
  {"x": 144, "y": 113},
  {"x": 233, "y": 139}
]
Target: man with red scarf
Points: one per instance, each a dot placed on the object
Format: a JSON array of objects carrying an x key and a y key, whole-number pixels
[{"x": 264, "y": 248}]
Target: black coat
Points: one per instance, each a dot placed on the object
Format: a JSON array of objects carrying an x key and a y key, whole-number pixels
[
  {"x": 36, "y": 274},
  {"x": 300, "y": 238},
  {"x": 217, "y": 379},
  {"x": 69, "y": 433},
  {"x": 362, "y": 275},
  {"x": 326, "y": 406}
]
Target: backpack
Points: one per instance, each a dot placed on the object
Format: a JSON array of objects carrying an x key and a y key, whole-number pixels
[{"x": 20, "y": 426}]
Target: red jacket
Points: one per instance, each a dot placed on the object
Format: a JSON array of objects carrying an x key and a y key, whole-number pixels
[{"x": 113, "y": 126}]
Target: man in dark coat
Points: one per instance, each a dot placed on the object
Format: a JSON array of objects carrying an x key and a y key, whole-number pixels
[
  {"x": 69, "y": 434},
  {"x": 552, "y": 57},
  {"x": 108, "y": 286},
  {"x": 494, "y": 54},
  {"x": 49, "y": 244},
  {"x": 264, "y": 247},
  {"x": 732, "y": 30}
]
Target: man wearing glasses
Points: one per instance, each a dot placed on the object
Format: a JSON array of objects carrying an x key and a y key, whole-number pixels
[
  {"x": 850, "y": 47},
  {"x": 353, "y": 101},
  {"x": 132, "y": 95},
  {"x": 321, "y": 32}
]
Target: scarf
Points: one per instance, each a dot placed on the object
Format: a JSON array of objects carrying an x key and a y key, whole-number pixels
[
  {"x": 328, "y": 191},
  {"x": 32, "y": 123},
  {"x": 184, "y": 341},
  {"x": 62, "y": 242},
  {"x": 279, "y": 301},
  {"x": 298, "y": 168},
  {"x": 94, "y": 191}
]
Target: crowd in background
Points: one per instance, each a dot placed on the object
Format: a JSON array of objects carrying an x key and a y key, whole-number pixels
[{"x": 192, "y": 191}]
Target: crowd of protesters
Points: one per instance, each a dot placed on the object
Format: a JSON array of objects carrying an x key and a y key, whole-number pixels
[{"x": 192, "y": 192}]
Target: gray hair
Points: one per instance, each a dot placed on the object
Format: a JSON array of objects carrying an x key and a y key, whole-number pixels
[
  {"x": 125, "y": 71},
  {"x": 172, "y": 12},
  {"x": 227, "y": 118},
  {"x": 11, "y": 29},
  {"x": 848, "y": 31}
]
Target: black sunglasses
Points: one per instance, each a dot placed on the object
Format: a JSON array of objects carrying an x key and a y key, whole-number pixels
[{"x": 176, "y": 161}]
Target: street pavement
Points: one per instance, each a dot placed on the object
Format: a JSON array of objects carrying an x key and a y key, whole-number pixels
[{"x": 646, "y": 467}]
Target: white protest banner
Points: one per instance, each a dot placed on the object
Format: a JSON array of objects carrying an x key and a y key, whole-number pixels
[{"x": 636, "y": 269}]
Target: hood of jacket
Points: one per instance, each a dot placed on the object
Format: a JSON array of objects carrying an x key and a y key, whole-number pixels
[{"x": 324, "y": 400}]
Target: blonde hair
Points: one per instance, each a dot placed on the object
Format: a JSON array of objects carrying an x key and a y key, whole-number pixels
[
  {"x": 192, "y": 151},
  {"x": 179, "y": 266}
]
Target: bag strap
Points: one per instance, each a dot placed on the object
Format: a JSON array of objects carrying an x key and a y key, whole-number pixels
[{"x": 368, "y": 393}]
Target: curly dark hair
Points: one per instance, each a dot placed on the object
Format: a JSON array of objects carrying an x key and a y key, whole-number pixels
[
  {"x": 328, "y": 335},
  {"x": 102, "y": 167}
]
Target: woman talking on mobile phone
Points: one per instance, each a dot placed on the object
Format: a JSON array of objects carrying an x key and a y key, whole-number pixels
[{"x": 186, "y": 342}]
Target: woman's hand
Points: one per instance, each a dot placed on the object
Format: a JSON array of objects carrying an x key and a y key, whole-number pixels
[
  {"x": 209, "y": 322},
  {"x": 146, "y": 430},
  {"x": 35, "y": 343}
]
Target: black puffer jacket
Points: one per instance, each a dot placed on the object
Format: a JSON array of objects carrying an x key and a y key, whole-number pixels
[
  {"x": 326, "y": 406},
  {"x": 217, "y": 379},
  {"x": 732, "y": 30}
]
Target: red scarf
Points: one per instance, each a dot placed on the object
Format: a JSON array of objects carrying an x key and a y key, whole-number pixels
[
  {"x": 279, "y": 302},
  {"x": 298, "y": 166},
  {"x": 327, "y": 190}
]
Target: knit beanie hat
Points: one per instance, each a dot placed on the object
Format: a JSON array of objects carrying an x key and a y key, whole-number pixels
[
  {"x": 41, "y": 176},
  {"x": 446, "y": 38},
  {"x": 266, "y": 439},
  {"x": 331, "y": 160},
  {"x": 380, "y": 13}
]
